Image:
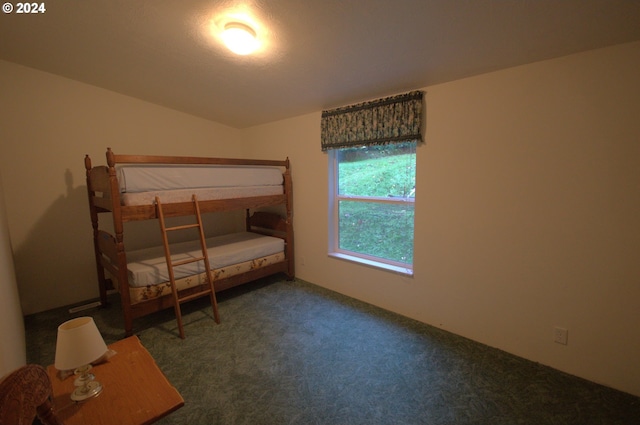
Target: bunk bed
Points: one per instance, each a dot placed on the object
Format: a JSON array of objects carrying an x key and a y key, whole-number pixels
[{"x": 126, "y": 189}]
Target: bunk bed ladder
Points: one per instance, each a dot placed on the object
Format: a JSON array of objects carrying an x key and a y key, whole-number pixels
[{"x": 177, "y": 299}]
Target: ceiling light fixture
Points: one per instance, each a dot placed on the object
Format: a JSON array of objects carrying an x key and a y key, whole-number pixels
[{"x": 240, "y": 38}]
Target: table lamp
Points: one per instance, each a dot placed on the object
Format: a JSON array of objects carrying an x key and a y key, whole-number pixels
[{"x": 79, "y": 344}]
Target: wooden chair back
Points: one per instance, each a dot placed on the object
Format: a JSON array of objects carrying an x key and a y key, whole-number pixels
[{"x": 25, "y": 394}]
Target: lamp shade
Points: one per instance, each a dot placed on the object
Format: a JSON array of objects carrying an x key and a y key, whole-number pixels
[{"x": 79, "y": 343}]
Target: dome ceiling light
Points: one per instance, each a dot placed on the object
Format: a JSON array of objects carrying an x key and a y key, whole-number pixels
[{"x": 240, "y": 38}]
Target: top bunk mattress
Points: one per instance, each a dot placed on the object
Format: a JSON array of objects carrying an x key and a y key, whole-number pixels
[
  {"x": 140, "y": 184},
  {"x": 154, "y": 177}
]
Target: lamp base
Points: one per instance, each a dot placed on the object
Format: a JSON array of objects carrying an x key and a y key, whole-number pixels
[
  {"x": 91, "y": 389},
  {"x": 83, "y": 379}
]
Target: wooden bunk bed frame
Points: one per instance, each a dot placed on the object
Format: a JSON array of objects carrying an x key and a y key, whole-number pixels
[{"x": 104, "y": 197}]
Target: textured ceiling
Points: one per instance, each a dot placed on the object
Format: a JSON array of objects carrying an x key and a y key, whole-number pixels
[{"x": 315, "y": 55}]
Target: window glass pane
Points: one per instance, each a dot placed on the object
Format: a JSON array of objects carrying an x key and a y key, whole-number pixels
[
  {"x": 385, "y": 170},
  {"x": 378, "y": 229}
]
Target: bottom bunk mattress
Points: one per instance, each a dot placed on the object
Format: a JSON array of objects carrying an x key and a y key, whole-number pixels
[
  {"x": 229, "y": 255},
  {"x": 149, "y": 292}
]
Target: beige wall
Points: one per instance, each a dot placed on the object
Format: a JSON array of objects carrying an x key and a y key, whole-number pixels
[
  {"x": 526, "y": 209},
  {"x": 48, "y": 124},
  {"x": 526, "y": 213},
  {"x": 12, "y": 340}
]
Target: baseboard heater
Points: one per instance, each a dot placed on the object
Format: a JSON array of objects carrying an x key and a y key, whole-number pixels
[{"x": 85, "y": 307}]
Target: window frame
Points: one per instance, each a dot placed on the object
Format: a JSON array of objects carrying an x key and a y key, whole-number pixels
[{"x": 334, "y": 223}]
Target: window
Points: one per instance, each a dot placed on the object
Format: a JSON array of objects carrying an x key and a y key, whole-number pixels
[
  {"x": 372, "y": 193},
  {"x": 372, "y": 156}
]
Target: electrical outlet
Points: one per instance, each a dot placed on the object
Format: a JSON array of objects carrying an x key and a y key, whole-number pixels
[{"x": 560, "y": 335}]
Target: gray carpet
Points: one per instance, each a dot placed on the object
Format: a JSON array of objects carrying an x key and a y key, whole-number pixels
[{"x": 294, "y": 353}]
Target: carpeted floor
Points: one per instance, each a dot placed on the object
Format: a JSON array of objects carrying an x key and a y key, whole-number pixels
[{"x": 294, "y": 353}]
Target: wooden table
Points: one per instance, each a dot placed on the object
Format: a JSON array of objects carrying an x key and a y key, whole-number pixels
[{"x": 134, "y": 392}]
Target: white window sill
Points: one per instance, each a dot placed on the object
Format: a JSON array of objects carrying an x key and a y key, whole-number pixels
[{"x": 371, "y": 263}]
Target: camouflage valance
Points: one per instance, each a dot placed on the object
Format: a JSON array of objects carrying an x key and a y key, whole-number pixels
[{"x": 392, "y": 119}]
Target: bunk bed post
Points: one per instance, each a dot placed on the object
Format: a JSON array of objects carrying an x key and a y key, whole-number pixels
[
  {"x": 102, "y": 281},
  {"x": 118, "y": 228},
  {"x": 288, "y": 187}
]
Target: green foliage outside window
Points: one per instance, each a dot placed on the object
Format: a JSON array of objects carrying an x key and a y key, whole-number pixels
[{"x": 375, "y": 228}]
